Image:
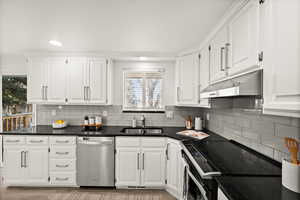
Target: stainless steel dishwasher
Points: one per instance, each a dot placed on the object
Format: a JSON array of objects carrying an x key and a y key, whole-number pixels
[{"x": 96, "y": 161}]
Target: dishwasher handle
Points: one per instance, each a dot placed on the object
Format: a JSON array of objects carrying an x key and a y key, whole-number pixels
[{"x": 100, "y": 143}]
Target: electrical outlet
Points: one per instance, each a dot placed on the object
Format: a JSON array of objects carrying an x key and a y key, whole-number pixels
[
  {"x": 207, "y": 116},
  {"x": 105, "y": 113},
  {"x": 169, "y": 114}
]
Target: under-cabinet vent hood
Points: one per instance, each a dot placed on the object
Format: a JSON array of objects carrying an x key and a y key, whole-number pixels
[{"x": 245, "y": 85}]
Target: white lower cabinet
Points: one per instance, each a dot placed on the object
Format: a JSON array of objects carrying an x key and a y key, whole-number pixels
[
  {"x": 140, "y": 162},
  {"x": 25, "y": 164},
  {"x": 62, "y": 161},
  {"x": 37, "y": 165},
  {"x": 153, "y": 167},
  {"x": 128, "y": 166},
  {"x": 173, "y": 167},
  {"x": 39, "y": 161}
]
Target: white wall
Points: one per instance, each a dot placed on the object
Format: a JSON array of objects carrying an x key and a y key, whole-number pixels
[
  {"x": 13, "y": 65},
  {"x": 169, "y": 82}
]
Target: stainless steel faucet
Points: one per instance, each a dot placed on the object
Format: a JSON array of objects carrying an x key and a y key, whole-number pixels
[{"x": 143, "y": 120}]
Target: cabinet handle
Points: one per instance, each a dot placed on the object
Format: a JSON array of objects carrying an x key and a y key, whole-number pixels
[
  {"x": 12, "y": 141},
  {"x": 22, "y": 159},
  {"x": 138, "y": 161},
  {"x": 221, "y": 58},
  {"x": 62, "y": 153},
  {"x": 61, "y": 179},
  {"x": 62, "y": 141},
  {"x": 227, "y": 56},
  {"x": 167, "y": 151},
  {"x": 36, "y": 141},
  {"x": 143, "y": 161},
  {"x": 89, "y": 93},
  {"x": 62, "y": 166},
  {"x": 85, "y": 93},
  {"x": 178, "y": 97},
  {"x": 199, "y": 91}
]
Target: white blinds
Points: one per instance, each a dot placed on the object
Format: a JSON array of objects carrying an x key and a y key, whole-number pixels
[{"x": 143, "y": 90}]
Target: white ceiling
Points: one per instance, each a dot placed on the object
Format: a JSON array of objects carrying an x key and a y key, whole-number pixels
[{"x": 161, "y": 26}]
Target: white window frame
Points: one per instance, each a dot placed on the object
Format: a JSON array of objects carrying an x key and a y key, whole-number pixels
[{"x": 152, "y": 69}]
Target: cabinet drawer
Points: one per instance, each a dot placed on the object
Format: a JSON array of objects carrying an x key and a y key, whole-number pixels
[
  {"x": 62, "y": 140},
  {"x": 63, "y": 179},
  {"x": 153, "y": 142},
  {"x": 14, "y": 140},
  {"x": 63, "y": 152},
  {"x": 37, "y": 140},
  {"x": 62, "y": 165},
  {"x": 127, "y": 141}
]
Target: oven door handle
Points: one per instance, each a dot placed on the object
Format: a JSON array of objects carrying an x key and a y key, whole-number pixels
[{"x": 202, "y": 190}]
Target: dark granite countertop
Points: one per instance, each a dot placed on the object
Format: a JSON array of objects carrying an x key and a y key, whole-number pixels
[
  {"x": 103, "y": 132},
  {"x": 255, "y": 188}
]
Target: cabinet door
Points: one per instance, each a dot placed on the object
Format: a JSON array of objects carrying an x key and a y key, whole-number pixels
[
  {"x": 56, "y": 87},
  {"x": 36, "y": 161},
  {"x": 217, "y": 55},
  {"x": 173, "y": 150},
  {"x": 204, "y": 74},
  {"x": 281, "y": 57},
  {"x": 188, "y": 80},
  {"x": 128, "y": 167},
  {"x": 14, "y": 165},
  {"x": 36, "y": 79},
  {"x": 153, "y": 167},
  {"x": 244, "y": 39},
  {"x": 77, "y": 69},
  {"x": 97, "y": 90}
]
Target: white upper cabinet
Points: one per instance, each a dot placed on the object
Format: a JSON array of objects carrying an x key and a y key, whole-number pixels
[
  {"x": 74, "y": 80},
  {"x": 97, "y": 81},
  {"x": 218, "y": 55},
  {"x": 56, "y": 82},
  {"x": 204, "y": 74},
  {"x": 243, "y": 44},
  {"x": 187, "y": 80},
  {"x": 77, "y": 80},
  {"x": 281, "y": 57},
  {"x": 37, "y": 77}
]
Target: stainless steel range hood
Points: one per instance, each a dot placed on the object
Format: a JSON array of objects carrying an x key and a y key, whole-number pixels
[{"x": 245, "y": 85}]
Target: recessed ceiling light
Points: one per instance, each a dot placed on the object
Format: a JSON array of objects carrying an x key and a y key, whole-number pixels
[
  {"x": 55, "y": 43},
  {"x": 142, "y": 58}
]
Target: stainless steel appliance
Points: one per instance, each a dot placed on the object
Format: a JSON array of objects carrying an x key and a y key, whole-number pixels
[
  {"x": 96, "y": 161},
  {"x": 194, "y": 186},
  {"x": 245, "y": 85}
]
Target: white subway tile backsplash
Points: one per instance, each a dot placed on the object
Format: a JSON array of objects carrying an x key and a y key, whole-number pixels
[{"x": 263, "y": 133}]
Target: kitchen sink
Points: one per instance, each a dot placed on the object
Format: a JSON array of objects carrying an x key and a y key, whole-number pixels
[{"x": 142, "y": 131}]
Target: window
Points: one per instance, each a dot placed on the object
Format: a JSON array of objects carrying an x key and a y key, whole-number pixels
[
  {"x": 143, "y": 90},
  {"x": 16, "y": 112}
]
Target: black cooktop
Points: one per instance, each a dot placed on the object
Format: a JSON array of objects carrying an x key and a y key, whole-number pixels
[{"x": 232, "y": 158}]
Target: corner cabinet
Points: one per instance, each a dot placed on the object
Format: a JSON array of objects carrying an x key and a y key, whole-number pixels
[
  {"x": 140, "y": 162},
  {"x": 281, "y": 57},
  {"x": 173, "y": 167},
  {"x": 69, "y": 80}
]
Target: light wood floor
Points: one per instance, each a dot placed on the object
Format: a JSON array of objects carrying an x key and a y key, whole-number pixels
[{"x": 81, "y": 194}]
